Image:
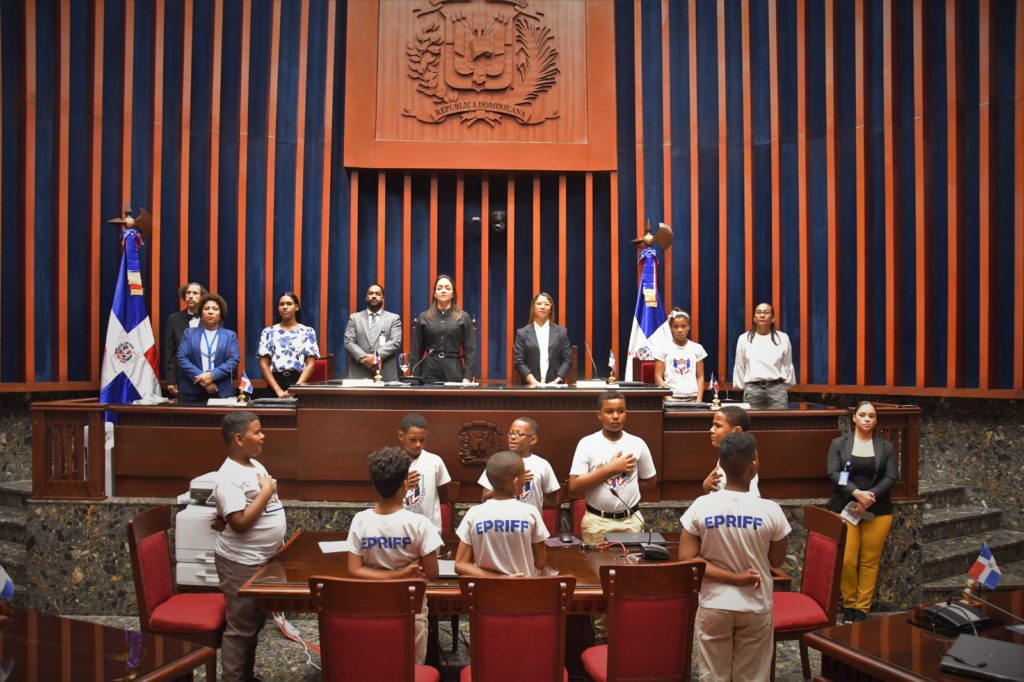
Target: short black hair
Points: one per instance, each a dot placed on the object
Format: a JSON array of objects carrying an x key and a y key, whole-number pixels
[
  {"x": 610, "y": 394},
  {"x": 375, "y": 284},
  {"x": 219, "y": 300},
  {"x": 502, "y": 467},
  {"x": 236, "y": 424},
  {"x": 389, "y": 467},
  {"x": 413, "y": 419},
  {"x": 532, "y": 423},
  {"x": 735, "y": 453},
  {"x": 736, "y": 416}
]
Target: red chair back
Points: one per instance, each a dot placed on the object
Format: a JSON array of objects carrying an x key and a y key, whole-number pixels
[
  {"x": 579, "y": 508},
  {"x": 651, "y": 612},
  {"x": 550, "y": 516},
  {"x": 823, "y": 558},
  {"x": 367, "y": 627},
  {"x": 323, "y": 369},
  {"x": 448, "y": 506},
  {"x": 643, "y": 370},
  {"x": 517, "y": 626}
]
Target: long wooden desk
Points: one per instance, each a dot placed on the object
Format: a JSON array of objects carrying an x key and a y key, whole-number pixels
[{"x": 892, "y": 648}]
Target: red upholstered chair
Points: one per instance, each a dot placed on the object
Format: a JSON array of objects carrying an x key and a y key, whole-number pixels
[
  {"x": 368, "y": 629},
  {"x": 643, "y": 370},
  {"x": 550, "y": 516},
  {"x": 517, "y": 627},
  {"x": 323, "y": 369},
  {"x": 651, "y": 610},
  {"x": 579, "y": 508},
  {"x": 815, "y": 605},
  {"x": 448, "y": 524},
  {"x": 193, "y": 617}
]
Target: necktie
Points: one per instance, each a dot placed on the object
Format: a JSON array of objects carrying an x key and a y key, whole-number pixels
[{"x": 374, "y": 330}]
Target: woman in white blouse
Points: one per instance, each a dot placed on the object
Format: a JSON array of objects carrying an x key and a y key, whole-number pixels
[
  {"x": 542, "y": 353},
  {"x": 764, "y": 363}
]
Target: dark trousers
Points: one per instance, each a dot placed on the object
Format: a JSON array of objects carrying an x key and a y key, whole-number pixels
[{"x": 244, "y": 618}]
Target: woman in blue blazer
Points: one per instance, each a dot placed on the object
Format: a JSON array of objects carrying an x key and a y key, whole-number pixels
[
  {"x": 527, "y": 351},
  {"x": 208, "y": 355}
]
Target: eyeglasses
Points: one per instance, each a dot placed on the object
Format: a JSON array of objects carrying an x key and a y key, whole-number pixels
[
  {"x": 762, "y": 312},
  {"x": 518, "y": 434}
]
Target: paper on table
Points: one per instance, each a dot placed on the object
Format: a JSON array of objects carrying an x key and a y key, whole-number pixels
[
  {"x": 446, "y": 569},
  {"x": 335, "y": 546}
]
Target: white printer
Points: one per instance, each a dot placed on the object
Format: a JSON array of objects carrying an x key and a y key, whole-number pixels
[{"x": 193, "y": 537}]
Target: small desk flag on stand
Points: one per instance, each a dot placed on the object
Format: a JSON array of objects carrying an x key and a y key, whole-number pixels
[
  {"x": 244, "y": 385},
  {"x": 985, "y": 570}
]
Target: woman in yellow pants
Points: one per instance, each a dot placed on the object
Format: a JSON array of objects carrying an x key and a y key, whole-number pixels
[{"x": 862, "y": 467}]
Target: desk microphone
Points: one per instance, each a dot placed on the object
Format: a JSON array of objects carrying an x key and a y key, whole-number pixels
[
  {"x": 415, "y": 367},
  {"x": 592, "y": 363},
  {"x": 650, "y": 551},
  {"x": 997, "y": 608}
]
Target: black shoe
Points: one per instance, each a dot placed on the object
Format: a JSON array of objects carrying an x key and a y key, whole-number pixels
[
  {"x": 859, "y": 616},
  {"x": 847, "y": 615}
]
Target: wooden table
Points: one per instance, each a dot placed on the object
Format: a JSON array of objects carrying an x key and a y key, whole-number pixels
[
  {"x": 47, "y": 647},
  {"x": 893, "y": 648}
]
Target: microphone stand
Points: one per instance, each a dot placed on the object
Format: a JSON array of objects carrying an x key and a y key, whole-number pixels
[{"x": 417, "y": 366}]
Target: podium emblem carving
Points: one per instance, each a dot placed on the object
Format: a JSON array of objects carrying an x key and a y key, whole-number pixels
[
  {"x": 482, "y": 60},
  {"x": 479, "y": 440}
]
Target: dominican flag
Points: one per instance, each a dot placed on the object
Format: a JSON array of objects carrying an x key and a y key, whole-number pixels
[
  {"x": 6, "y": 585},
  {"x": 650, "y": 326},
  {"x": 985, "y": 570},
  {"x": 376, "y": 358},
  {"x": 129, "y": 357},
  {"x": 714, "y": 384},
  {"x": 244, "y": 385}
]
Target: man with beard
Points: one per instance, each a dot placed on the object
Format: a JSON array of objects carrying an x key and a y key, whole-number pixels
[{"x": 369, "y": 330}]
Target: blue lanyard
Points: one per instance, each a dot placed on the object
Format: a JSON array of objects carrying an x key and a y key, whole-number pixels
[{"x": 211, "y": 348}]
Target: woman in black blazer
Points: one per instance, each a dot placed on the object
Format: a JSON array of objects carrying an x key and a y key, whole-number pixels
[
  {"x": 527, "y": 354},
  {"x": 863, "y": 469}
]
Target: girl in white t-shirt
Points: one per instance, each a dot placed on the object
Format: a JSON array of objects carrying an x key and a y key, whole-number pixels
[{"x": 680, "y": 364}]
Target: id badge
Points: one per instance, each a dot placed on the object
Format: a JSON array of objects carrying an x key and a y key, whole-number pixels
[{"x": 844, "y": 478}]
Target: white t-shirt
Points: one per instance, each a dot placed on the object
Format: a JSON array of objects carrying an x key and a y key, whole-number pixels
[
  {"x": 725, "y": 479},
  {"x": 594, "y": 451},
  {"x": 423, "y": 498},
  {"x": 681, "y": 366},
  {"x": 544, "y": 481},
  {"x": 736, "y": 530},
  {"x": 392, "y": 541},
  {"x": 235, "y": 489},
  {"x": 502, "y": 533}
]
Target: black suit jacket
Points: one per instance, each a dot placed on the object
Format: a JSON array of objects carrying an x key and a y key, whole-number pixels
[
  {"x": 841, "y": 452},
  {"x": 526, "y": 352},
  {"x": 176, "y": 325}
]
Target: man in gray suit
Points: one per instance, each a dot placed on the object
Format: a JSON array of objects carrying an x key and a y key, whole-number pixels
[{"x": 369, "y": 329}]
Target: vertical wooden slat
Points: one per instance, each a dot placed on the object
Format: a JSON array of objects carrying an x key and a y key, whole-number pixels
[
  {"x": 861, "y": 180},
  {"x": 29, "y": 196},
  {"x": 953, "y": 301},
  {"x": 666, "y": 143},
  {"x": 353, "y": 241},
  {"x": 510, "y": 272},
  {"x": 830, "y": 190},
  {"x": 892, "y": 306},
  {"x": 300, "y": 149},
  {"x": 433, "y": 230},
  {"x": 65, "y": 646},
  {"x": 156, "y": 169},
  {"x": 694, "y": 172},
  {"x": 562, "y": 249},
  {"x": 325, "y": 192},
  {"x": 406, "y": 256},
  {"x": 773, "y": 102},
  {"x": 748, "y": 170},
  {"x": 485, "y": 268},
  {"x": 804, "y": 199},
  {"x": 243, "y": 175},
  {"x": 536, "y": 235},
  {"x": 126, "y": 113},
  {"x": 218, "y": 58},
  {"x": 614, "y": 265},
  {"x": 723, "y": 194},
  {"x": 186, "y": 141},
  {"x": 95, "y": 182},
  {"x": 268, "y": 266},
  {"x": 460, "y": 225},
  {"x": 381, "y": 224},
  {"x": 588, "y": 278},
  {"x": 921, "y": 229},
  {"x": 1018, "y": 206},
  {"x": 638, "y": 108},
  {"x": 985, "y": 350},
  {"x": 62, "y": 192}
]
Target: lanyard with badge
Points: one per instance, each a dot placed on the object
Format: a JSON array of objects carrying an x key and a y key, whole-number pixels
[
  {"x": 844, "y": 475},
  {"x": 211, "y": 347}
]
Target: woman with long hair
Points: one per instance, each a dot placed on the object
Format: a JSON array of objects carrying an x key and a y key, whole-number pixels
[
  {"x": 764, "y": 363},
  {"x": 542, "y": 353},
  {"x": 443, "y": 338},
  {"x": 288, "y": 349}
]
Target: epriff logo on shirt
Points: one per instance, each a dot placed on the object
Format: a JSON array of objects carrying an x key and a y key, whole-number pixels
[
  {"x": 502, "y": 526},
  {"x": 732, "y": 521},
  {"x": 385, "y": 542}
]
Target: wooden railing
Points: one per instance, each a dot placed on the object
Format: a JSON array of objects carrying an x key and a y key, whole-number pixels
[{"x": 66, "y": 462}]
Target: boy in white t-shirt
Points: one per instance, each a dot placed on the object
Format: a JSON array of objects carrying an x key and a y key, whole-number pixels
[
  {"x": 679, "y": 364},
  {"x": 252, "y": 525},
  {"x": 426, "y": 486},
  {"x": 740, "y": 536},
  {"x": 540, "y": 485},
  {"x": 390, "y": 542},
  {"x": 729, "y": 419},
  {"x": 502, "y": 536}
]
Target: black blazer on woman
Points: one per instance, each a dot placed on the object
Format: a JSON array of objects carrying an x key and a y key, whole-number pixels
[
  {"x": 841, "y": 453},
  {"x": 526, "y": 353}
]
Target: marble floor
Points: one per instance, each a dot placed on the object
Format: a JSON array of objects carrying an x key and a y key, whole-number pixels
[{"x": 279, "y": 659}]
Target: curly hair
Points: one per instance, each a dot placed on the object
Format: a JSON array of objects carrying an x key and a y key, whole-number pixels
[{"x": 389, "y": 468}]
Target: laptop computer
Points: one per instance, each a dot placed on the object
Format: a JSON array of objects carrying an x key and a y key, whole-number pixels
[
  {"x": 636, "y": 538},
  {"x": 985, "y": 659}
]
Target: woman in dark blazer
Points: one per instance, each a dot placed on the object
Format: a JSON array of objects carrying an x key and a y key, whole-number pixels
[
  {"x": 527, "y": 353},
  {"x": 863, "y": 469},
  {"x": 208, "y": 355}
]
